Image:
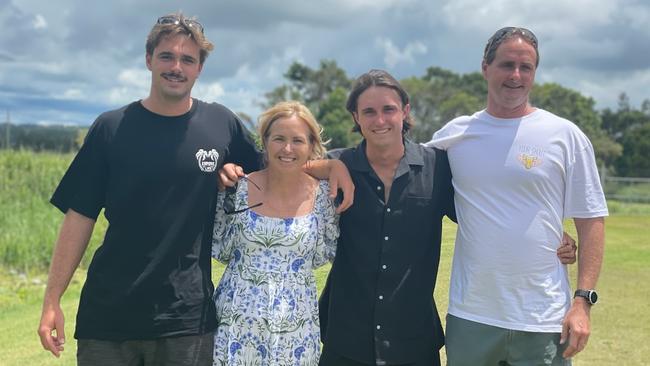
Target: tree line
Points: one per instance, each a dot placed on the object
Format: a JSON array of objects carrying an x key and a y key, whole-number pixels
[
  {"x": 57, "y": 138},
  {"x": 621, "y": 137}
]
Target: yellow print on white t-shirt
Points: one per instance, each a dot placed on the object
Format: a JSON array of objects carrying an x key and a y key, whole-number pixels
[{"x": 529, "y": 161}]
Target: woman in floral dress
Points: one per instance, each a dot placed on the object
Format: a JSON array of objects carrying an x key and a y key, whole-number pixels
[{"x": 272, "y": 231}]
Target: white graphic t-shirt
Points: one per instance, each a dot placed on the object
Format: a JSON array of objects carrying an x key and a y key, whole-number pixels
[{"x": 515, "y": 182}]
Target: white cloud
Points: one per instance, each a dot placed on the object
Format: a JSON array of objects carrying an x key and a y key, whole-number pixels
[
  {"x": 63, "y": 50},
  {"x": 73, "y": 94},
  {"x": 603, "y": 87},
  {"x": 58, "y": 117},
  {"x": 242, "y": 100},
  {"x": 245, "y": 89},
  {"x": 51, "y": 68},
  {"x": 638, "y": 17},
  {"x": 488, "y": 16},
  {"x": 39, "y": 22},
  {"x": 606, "y": 88},
  {"x": 211, "y": 92},
  {"x": 138, "y": 78},
  {"x": 393, "y": 55},
  {"x": 133, "y": 84},
  {"x": 364, "y": 4},
  {"x": 122, "y": 95},
  {"x": 271, "y": 70}
]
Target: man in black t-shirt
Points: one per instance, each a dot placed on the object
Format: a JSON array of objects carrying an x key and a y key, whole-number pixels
[{"x": 152, "y": 166}]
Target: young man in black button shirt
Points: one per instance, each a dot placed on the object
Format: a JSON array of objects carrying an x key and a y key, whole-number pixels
[{"x": 377, "y": 307}]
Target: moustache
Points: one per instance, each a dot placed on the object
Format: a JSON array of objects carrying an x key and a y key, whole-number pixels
[{"x": 173, "y": 76}]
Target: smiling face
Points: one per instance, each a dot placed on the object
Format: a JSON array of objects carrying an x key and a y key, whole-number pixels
[
  {"x": 174, "y": 67},
  {"x": 288, "y": 145},
  {"x": 510, "y": 78},
  {"x": 380, "y": 116}
]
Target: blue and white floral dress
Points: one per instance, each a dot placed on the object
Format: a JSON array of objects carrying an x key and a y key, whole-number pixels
[{"x": 267, "y": 306}]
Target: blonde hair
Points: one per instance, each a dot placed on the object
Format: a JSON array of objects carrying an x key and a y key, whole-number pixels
[
  {"x": 289, "y": 109},
  {"x": 183, "y": 26}
]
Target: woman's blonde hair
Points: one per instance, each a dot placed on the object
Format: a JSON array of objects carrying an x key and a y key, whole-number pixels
[{"x": 289, "y": 109}]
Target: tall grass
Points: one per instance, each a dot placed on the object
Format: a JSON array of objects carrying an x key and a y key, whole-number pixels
[{"x": 28, "y": 222}]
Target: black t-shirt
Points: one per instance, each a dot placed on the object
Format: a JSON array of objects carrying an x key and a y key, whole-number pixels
[
  {"x": 156, "y": 178},
  {"x": 377, "y": 305}
]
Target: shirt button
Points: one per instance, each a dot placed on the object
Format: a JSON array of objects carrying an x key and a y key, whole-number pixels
[
  {"x": 378, "y": 326},
  {"x": 385, "y": 238},
  {"x": 388, "y": 209},
  {"x": 381, "y": 297},
  {"x": 379, "y": 188},
  {"x": 383, "y": 266}
]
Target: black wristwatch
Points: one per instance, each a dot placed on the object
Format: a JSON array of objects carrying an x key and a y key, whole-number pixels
[{"x": 590, "y": 295}]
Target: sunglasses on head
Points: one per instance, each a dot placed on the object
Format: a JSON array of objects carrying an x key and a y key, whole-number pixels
[
  {"x": 175, "y": 19},
  {"x": 507, "y": 32},
  {"x": 229, "y": 200}
]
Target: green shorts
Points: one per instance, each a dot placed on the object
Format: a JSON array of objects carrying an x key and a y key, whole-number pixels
[
  {"x": 470, "y": 343},
  {"x": 180, "y": 351}
]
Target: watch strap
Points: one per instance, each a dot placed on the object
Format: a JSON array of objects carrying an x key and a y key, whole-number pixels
[{"x": 589, "y": 295}]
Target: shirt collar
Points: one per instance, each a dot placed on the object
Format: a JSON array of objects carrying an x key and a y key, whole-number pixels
[{"x": 412, "y": 156}]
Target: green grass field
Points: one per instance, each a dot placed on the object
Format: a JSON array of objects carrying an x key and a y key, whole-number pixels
[
  {"x": 621, "y": 321},
  {"x": 29, "y": 224}
]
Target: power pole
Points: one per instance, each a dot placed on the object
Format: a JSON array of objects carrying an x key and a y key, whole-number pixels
[{"x": 7, "y": 130}]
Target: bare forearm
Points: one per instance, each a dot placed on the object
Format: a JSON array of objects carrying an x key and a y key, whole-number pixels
[
  {"x": 591, "y": 246},
  {"x": 70, "y": 246},
  {"x": 319, "y": 169}
]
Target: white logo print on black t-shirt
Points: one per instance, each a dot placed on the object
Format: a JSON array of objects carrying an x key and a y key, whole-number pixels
[{"x": 207, "y": 160}]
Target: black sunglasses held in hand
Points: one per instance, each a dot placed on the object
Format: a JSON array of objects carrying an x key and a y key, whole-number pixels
[{"x": 229, "y": 200}]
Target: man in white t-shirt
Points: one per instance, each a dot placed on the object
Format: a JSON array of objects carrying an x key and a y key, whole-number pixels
[{"x": 518, "y": 172}]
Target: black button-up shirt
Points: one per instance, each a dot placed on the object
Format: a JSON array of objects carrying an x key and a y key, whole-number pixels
[{"x": 377, "y": 305}]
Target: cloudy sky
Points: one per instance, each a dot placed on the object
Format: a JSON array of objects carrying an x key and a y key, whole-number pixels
[{"x": 65, "y": 61}]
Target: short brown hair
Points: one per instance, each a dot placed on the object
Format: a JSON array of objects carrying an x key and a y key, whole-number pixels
[
  {"x": 381, "y": 78},
  {"x": 162, "y": 30}
]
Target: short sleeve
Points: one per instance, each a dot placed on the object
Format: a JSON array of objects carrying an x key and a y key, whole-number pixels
[
  {"x": 243, "y": 150},
  {"x": 584, "y": 197},
  {"x": 83, "y": 187},
  {"x": 328, "y": 227},
  {"x": 223, "y": 233},
  {"x": 450, "y": 134}
]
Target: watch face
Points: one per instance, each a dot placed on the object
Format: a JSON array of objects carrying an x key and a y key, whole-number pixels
[{"x": 590, "y": 295}]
